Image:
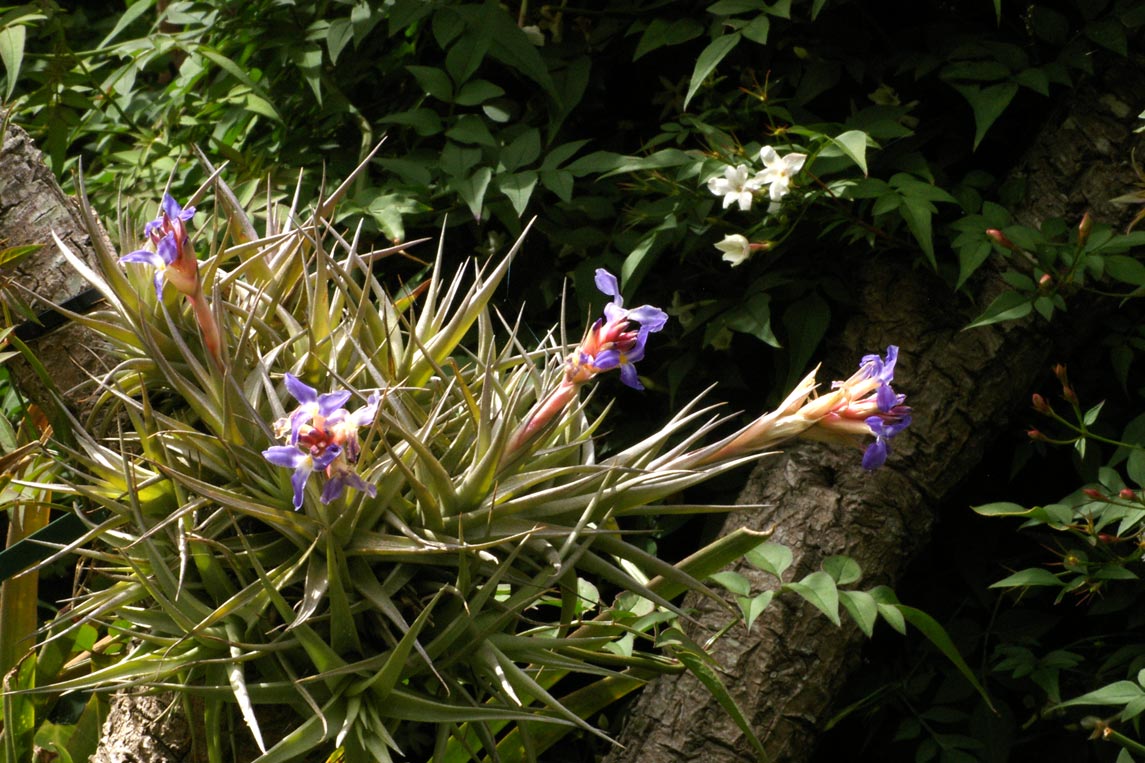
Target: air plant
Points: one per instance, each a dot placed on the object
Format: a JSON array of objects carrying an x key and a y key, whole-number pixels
[{"x": 384, "y": 512}]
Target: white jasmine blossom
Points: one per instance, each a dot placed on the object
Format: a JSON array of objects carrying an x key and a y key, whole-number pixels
[
  {"x": 777, "y": 173},
  {"x": 735, "y": 186},
  {"x": 736, "y": 249}
]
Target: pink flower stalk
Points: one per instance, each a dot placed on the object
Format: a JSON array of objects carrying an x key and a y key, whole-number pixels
[
  {"x": 863, "y": 406},
  {"x": 175, "y": 263},
  {"x": 615, "y": 341}
]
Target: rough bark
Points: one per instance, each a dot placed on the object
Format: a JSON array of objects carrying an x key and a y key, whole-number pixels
[
  {"x": 964, "y": 387},
  {"x": 32, "y": 207},
  {"x": 144, "y": 728}
]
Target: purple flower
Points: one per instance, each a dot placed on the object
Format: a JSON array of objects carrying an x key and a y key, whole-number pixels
[
  {"x": 311, "y": 405},
  {"x": 164, "y": 255},
  {"x": 651, "y": 319},
  {"x": 612, "y": 342},
  {"x": 173, "y": 258},
  {"x": 171, "y": 215},
  {"x": 339, "y": 477},
  {"x": 883, "y": 429},
  {"x": 303, "y": 462},
  {"x": 343, "y": 426}
]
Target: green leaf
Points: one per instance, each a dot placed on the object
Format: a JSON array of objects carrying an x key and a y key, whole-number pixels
[
  {"x": 1135, "y": 466},
  {"x": 433, "y": 81},
  {"x": 862, "y": 608},
  {"x": 508, "y": 44},
  {"x": 843, "y": 569},
  {"x": 753, "y": 316},
  {"x": 970, "y": 259},
  {"x": 888, "y": 605},
  {"x": 853, "y": 143},
  {"x": 1001, "y": 509},
  {"x": 917, "y": 213},
  {"x": 425, "y": 122},
  {"x": 698, "y": 663},
  {"x": 660, "y": 33},
  {"x": 133, "y": 11},
  {"x": 772, "y": 558},
  {"x": 338, "y": 36},
  {"x": 1033, "y": 576},
  {"x": 708, "y": 60},
  {"x": 12, "y": 53},
  {"x": 1125, "y": 269},
  {"x": 638, "y": 261},
  {"x": 753, "y": 606},
  {"x": 819, "y": 589},
  {"x": 518, "y": 188},
  {"x": 464, "y": 58},
  {"x": 732, "y": 581},
  {"x": 1035, "y": 79},
  {"x": 988, "y": 103},
  {"x": 757, "y": 29},
  {"x": 1007, "y": 306},
  {"x": 937, "y": 635},
  {"x": 258, "y": 105},
  {"x": 477, "y": 91},
  {"x": 472, "y": 189},
  {"x": 732, "y": 7},
  {"x": 524, "y": 149},
  {"x": 560, "y": 182},
  {"x": 1117, "y": 693},
  {"x": 471, "y": 128}
]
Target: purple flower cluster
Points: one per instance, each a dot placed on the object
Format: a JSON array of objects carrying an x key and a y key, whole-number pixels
[
  {"x": 613, "y": 342},
  {"x": 890, "y": 416},
  {"x": 322, "y": 435},
  {"x": 173, "y": 258}
]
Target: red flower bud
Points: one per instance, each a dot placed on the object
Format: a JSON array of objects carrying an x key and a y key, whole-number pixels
[
  {"x": 1094, "y": 494},
  {"x": 1035, "y": 434},
  {"x": 1045, "y": 282},
  {"x": 1127, "y": 494},
  {"x": 1040, "y": 404}
]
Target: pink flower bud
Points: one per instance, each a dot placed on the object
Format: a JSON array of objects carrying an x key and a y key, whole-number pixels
[
  {"x": 1094, "y": 494},
  {"x": 1040, "y": 404},
  {"x": 1083, "y": 228},
  {"x": 1127, "y": 494},
  {"x": 1000, "y": 239}
]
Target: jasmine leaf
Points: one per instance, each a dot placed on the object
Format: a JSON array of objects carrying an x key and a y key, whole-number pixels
[
  {"x": 1007, "y": 306},
  {"x": 708, "y": 60},
  {"x": 819, "y": 590}
]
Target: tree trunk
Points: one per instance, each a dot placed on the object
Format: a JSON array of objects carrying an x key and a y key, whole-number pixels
[
  {"x": 32, "y": 208},
  {"x": 964, "y": 387}
]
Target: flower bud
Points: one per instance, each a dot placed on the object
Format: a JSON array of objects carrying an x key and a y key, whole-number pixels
[
  {"x": 1040, "y": 404},
  {"x": 1036, "y": 434},
  {"x": 1083, "y": 228},
  {"x": 1127, "y": 494},
  {"x": 1045, "y": 282},
  {"x": 1094, "y": 494},
  {"x": 1000, "y": 239}
]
